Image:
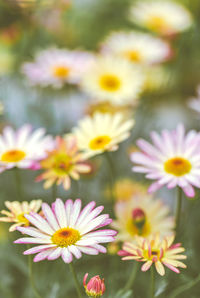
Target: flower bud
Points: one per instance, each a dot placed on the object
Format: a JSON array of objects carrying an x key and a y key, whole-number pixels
[
  {"x": 139, "y": 218},
  {"x": 95, "y": 287}
]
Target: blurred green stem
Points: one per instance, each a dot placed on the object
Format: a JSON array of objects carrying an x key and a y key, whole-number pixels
[
  {"x": 18, "y": 183},
  {"x": 131, "y": 279},
  {"x": 178, "y": 207},
  {"x": 30, "y": 266},
  {"x": 152, "y": 284},
  {"x": 185, "y": 287},
  {"x": 54, "y": 191},
  {"x": 111, "y": 176},
  {"x": 78, "y": 289}
]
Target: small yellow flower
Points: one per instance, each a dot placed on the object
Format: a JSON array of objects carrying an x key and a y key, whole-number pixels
[
  {"x": 157, "y": 251},
  {"x": 105, "y": 107},
  {"x": 62, "y": 163},
  {"x": 16, "y": 212}
]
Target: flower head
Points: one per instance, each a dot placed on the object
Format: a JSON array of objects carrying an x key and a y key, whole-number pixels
[
  {"x": 23, "y": 148},
  {"x": 174, "y": 160},
  {"x": 17, "y": 211},
  {"x": 163, "y": 17},
  {"x": 102, "y": 132},
  {"x": 142, "y": 215},
  {"x": 137, "y": 47},
  {"x": 155, "y": 251},
  {"x": 95, "y": 287},
  {"x": 62, "y": 163},
  {"x": 113, "y": 79},
  {"x": 65, "y": 231},
  {"x": 56, "y": 67}
]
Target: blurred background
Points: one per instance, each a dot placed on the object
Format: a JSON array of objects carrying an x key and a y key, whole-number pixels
[{"x": 27, "y": 27}]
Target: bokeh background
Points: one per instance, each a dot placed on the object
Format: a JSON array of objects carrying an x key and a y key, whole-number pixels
[{"x": 82, "y": 24}]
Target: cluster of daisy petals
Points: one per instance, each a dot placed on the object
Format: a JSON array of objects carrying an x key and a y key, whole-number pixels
[{"x": 155, "y": 251}]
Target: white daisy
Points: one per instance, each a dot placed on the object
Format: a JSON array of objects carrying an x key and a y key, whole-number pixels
[
  {"x": 66, "y": 231},
  {"x": 163, "y": 17},
  {"x": 102, "y": 132},
  {"x": 113, "y": 79},
  {"x": 56, "y": 67},
  {"x": 22, "y": 148},
  {"x": 137, "y": 47}
]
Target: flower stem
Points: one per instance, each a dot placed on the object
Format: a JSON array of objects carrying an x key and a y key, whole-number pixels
[
  {"x": 178, "y": 207},
  {"x": 185, "y": 287},
  {"x": 152, "y": 285},
  {"x": 111, "y": 176},
  {"x": 30, "y": 265},
  {"x": 131, "y": 279},
  {"x": 78, "y": 289},
  {"x": 54, "y": 191},
  {"x": 18, "y": 183}
]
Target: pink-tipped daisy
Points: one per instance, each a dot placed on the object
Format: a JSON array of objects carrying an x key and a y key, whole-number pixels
[
  {"x": 174, "y": 160},
  {"x": 23, "y": 148},
  {"x": 66, "y": 231},
  {"x": 155, "y": 251}
]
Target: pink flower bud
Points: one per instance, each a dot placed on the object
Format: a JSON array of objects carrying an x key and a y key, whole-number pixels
[
  {"x": 95, "y": 287},
  {"x": 139, "y": 218}
]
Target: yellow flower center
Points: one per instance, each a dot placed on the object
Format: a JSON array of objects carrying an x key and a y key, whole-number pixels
[
  {"x": 154, "y": 253},
  {"x": 61, "y": 72},
  {"x": 133, "y": 56},
  {"x": 65, "y": 237},
  {"x": 177, "y": 166},
  {"x": 22, "y": 219},
  {"x": 157, "y": 23},
  {"x": 133, "y": 229},
  {"x": 13, "y": 156},
  {"x": 99, "y": 143},
  {"x": 62, "y": 164},
  {"x": 110, "y": 83}
]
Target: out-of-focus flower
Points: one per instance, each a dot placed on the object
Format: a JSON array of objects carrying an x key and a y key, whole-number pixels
[
  {"x": 62, "y": 163},
  {"x": 113, "y": 79},
  {"x": 7, "y": 59},
  {"x": 124, "y": 189},
  {"x": 10, "y": 34},
  {"x": 163, "y": 17},
  {"x": 137, "y": 47},
  {"x": 102, "y": 132},
  {"x": 16, "y": 212},
  {"x": 141, "y": 216},
  {"x": 113, "y": 248},
  {"x": 174, "y": 160},
  {"x": 32, "y": 3},
  {"x": 194, "y": 102},
  {"x": 95, "y": 287},
  {"x": 56, "y": 67},
  {"x": 156, "y": 78},
  {"x": 23, "y": 148},
  {"x": 105, "y": 107},
  {"x": 66, "y": 231},
  {"x": 157, "y": 251}
]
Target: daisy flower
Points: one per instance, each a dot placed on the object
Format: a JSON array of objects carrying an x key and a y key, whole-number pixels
[
  {"x": 173, "y": 159},
  {"x": 141, "y": 216},
  {"x": 62, "y": 163},
  {"x": 56, "y": 67},
  {"x": 137, "y": 47},
  {"x": 102, "y": 132},
  {"x": 155, "y": 251},
  {"x": 16, "y": 212},
  {"x": 163, "y": 17},
  {"x": 23, "y": 148},
  {"x": 112, "y": 79},
  {"x": 66, "y": 231}
]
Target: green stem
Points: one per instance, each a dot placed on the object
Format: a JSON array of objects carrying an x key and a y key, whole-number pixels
[
  {"x": 30, "y": 265},
  {"x": 178, "y": 207},
  {"x": 152, "y": 285},
  {"x": 131, "y": 279},
  {"x": 185, "y": 287},
  {"x": 54, "y": 191},
  {"x": 111, "y": 176},
  {"x": 18, "y": 183},
  {"x": 78, "y": 289}
]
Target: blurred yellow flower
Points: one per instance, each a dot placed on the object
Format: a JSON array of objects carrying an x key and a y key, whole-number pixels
[
  {"x": 16, "y": 212},
  {"x": 105, "y": 107},
  {"x": 62, "y": 163}
]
